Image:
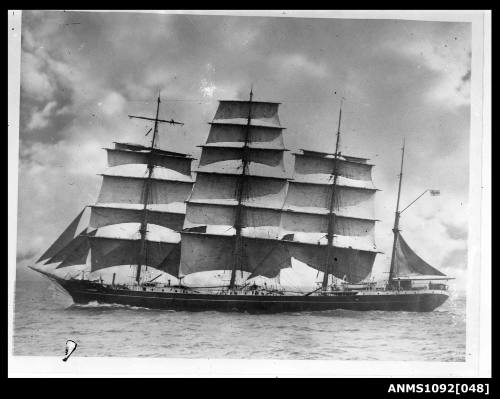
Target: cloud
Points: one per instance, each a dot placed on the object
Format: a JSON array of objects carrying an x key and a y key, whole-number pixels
[
  {"x": 466, "y": 77},
  {"x": 40, "y": 119},
  {"x": 62, "y": 177},
  {"x": 456, "y": 259},
  {"x": 34, "y": 81},
  {"x": 240, "y": 35},
  {"x": 207, "y": 88},
  {"x": 456, "y": 232},
  {"x": 450, "y": 61},
  {"x": 27, "y": 254},
  {"x": 112, "y": 104},
  {"x": 299, "y": 64},
  {"x": 207, "y": 85},
  {"x": 63, "y": 111}
]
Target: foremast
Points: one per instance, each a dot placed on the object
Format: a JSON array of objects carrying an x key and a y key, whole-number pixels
[
  {"x": 142, "y": 258},
  {"x": 131, "y": 196},
  {"x": 331, "y": 215}
]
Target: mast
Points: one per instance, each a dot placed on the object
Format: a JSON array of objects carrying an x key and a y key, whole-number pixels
[
  {"x": 239, "y": 194},
  {"x": 142, "y": 259},
  {"x": 331, "y": 218},
  {"x": 238, "y": 185},
  {"x": 396, "y": 217}
]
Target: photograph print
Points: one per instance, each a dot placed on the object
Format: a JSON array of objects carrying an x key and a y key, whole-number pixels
[{"x": 265, "y": 187}]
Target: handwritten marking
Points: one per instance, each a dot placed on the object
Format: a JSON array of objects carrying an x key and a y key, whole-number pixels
[{"x": 70, "y": 348}]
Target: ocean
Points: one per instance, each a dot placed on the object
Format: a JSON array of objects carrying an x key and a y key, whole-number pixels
[{"x": 45, "y": 317}]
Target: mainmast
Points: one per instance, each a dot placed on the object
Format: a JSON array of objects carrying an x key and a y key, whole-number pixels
[
  {"x": 239, "y": 194},
  {"x": 396, "y": 217},
  {"x": 331, "y": 218},
  {"x": 142, "y": 259}
]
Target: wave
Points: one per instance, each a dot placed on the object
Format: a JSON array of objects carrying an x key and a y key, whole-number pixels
[{"x": 98, "y": 305}]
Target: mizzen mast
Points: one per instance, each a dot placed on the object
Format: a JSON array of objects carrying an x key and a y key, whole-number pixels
[
  {"x": 396, "y": 217},
  {"x": 239, "y": 196},
  {"x": 142, "y": 259},
  {"x": 331, "y": 215}
]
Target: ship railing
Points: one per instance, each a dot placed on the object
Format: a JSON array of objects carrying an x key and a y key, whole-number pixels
[
  {"x": 345, "y": 286},
  {"x": 247, "y": 290},
  {"x": 411, "y": 287}
]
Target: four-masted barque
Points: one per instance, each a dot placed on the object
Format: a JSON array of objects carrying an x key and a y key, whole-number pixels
[{"x": 244, "y": 215}]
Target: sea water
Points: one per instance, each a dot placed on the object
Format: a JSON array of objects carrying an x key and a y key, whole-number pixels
[{"x": 45, "y": 317}]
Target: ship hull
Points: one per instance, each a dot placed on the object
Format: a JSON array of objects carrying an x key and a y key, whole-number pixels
[{"x": 84, "y": 292}]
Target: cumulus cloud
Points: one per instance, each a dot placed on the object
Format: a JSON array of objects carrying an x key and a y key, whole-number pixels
[
  {"x": 441, "y": 54},
  {"x": 34, "y": 81},
  {"x": 40, "y": 119},
  {"x": 112, "y": 104}
]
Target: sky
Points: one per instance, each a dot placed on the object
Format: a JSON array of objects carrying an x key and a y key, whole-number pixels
[{"x": 82, "y": 73}]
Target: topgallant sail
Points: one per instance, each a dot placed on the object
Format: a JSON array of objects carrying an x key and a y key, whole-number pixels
[{"x": 245, "y": 216}]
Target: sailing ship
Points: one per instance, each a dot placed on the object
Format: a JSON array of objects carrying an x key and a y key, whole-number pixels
[{"x": 244, "y": 216}]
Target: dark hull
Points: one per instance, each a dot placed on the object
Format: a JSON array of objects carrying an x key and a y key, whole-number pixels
[{"x": 84, "y": 292}]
